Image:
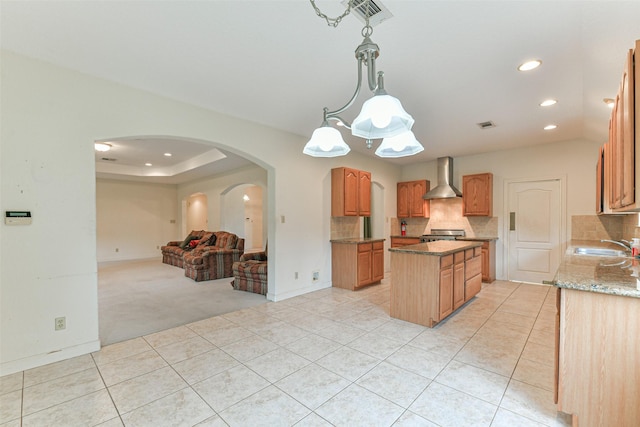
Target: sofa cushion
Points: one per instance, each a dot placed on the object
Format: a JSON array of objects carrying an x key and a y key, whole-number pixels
[{"x": 226, "y": 240}]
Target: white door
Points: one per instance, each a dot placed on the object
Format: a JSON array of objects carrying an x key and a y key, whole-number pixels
[{"x": 535, "y": 229}]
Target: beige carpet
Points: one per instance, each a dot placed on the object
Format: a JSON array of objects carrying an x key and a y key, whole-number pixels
[{"x": 136, "y": 298}]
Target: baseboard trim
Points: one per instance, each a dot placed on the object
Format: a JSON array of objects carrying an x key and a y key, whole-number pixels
[
  {"x": 297, "y": 292},
  {"x": 30, "y": 362}
]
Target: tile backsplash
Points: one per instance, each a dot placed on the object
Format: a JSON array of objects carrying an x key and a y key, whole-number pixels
[
  {"x": 596, "y": 227},
  {"x": 447, "y": 213}
]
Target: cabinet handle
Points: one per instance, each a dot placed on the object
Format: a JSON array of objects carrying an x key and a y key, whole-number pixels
[{"x": 512, "y": 221}]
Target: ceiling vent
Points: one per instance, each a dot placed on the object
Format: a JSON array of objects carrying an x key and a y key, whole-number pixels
[
  {"x": 486, "y": 125},
  {"x": 376, "y": 10},
  {"x": 109, "y": 159}
]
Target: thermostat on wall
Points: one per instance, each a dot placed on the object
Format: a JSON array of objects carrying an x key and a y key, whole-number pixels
[{"x": 17, "y": 217}]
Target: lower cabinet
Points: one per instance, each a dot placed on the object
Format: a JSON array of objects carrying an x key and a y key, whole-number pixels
[
  {"x": 460, "y": 279},
  {"x": 597, "y": 358},
  {"x": 357, "y": 264},
  {"x": 489, "y": 261}
]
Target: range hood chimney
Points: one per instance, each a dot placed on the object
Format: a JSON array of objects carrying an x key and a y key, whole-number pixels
[{"x": 445, "y": 188}]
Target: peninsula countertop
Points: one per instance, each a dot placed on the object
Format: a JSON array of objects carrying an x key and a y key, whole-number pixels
[
  {"x": 439, "y": 247},
  {"x": 606, "y": 275}
]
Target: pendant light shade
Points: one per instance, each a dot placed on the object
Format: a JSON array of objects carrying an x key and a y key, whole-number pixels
[
  {"x": 382, "y": 116},
  {"x": 326, "y": 142},
  {"x": 401, "y": 145}
]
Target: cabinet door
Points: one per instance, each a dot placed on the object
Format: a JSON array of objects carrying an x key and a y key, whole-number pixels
[
  {"x": 477, "y": 194},
  {"x": 446, "y": 292},
  {"x": 364, "y": 193},
  {"x": 351, "y": 181},
  {"x": 402, "y": 209},
  {"x": 377, "y": 261},
  {"x": 458, "y": 284},
  {"x": 486, "y": 267},
  {"x": 419, "y": 207},
  {"x": 365, "y": 268},
  {"x": 626, "y": 133}
]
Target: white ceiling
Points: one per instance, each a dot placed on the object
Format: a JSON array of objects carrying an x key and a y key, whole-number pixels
[{"x": 451, "y": 63}]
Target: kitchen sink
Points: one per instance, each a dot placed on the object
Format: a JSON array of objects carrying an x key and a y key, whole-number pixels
[{"x": 599, "y": 252}]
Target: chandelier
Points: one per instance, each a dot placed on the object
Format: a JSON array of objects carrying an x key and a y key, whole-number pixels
[{"x": 381, "y": 117}]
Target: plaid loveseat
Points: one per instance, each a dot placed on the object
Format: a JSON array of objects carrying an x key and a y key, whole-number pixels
[
  {"x": 250, "y": 273},
  {"x": 214, "y": 259},
  {"x": 209, "y": 254}
]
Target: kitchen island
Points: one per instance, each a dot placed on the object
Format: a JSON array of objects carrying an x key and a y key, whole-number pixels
[
  {"x": 597, "y": 331},
  {"x": 429, "y": 281}
]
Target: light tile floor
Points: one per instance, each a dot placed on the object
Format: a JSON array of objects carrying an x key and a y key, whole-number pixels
[{"x": 332, "y": 357}]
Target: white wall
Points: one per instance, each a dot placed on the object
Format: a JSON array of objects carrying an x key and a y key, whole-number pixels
[
  {"x": 134, "y": 218},
  {"x": 50, "y": 118},
  {"x": 575, "y": 160},
  {"x": 197, "y": 212}
]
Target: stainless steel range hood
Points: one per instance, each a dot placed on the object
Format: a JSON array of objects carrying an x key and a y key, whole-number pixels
[{"x": 445, "y": 188}]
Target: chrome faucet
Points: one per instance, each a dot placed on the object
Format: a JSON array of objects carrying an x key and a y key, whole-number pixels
[{"x": 624, "y": 243}]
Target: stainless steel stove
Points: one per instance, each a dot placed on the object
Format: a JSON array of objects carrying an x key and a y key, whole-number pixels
[{"x": 441, "y": 234}]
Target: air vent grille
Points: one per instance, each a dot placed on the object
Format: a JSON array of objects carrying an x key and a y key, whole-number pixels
[
  {"x": 486, "y": 125},
  {"x": 109, "y": 159},
  {"x": 376, "y": 10}
]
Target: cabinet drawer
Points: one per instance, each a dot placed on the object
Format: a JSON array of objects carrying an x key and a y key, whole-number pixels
[
  {"x": 404, "y": 241},
  {"x": 458, "y": 257},
  {"x": 446, "y": 261},
  {"x": 468, "y": 254},
  {"x": 378, "y": 245},
  {"x": 473, "y": 267},
  {"x": 364, "y": 247},
  {"x": 472, "y": 286}
]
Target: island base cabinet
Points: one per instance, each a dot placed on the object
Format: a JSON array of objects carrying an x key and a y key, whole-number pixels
[
  {"x": 598, "y": 358},
  {"x": 425, "y": 289}
]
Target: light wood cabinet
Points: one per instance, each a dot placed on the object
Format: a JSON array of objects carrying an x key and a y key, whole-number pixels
[
  {"x": 489, "y": 261},
  {"x": 425, "y": 289},
  {"x": 620, "y": 181},
  {"x": 597, "y": 358},
  {"x": 354, "y": 265},
  {"x": 473, "y": 272},
  {"x": 410, "y": 203},
  {"x": 477, "y": 195},
  {"x": 397, "y": 242},
  {"x": 350, "y": 192}
]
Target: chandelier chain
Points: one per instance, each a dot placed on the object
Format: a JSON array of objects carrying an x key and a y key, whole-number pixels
[{"x": 332, "y": 22}]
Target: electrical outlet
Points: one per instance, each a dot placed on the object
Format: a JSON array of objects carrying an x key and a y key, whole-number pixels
[
  {"x": 295, "y": 275},
  {"x": 61, "y": 323},
  {"x": 316, "y": 276}
]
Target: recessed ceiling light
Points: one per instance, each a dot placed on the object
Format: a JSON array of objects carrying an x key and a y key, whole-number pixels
[
  {"x": 610, "y": 102},
  {"x": 550, "y": 127},
  {"x": 530, "y": 65},
  {"x": 102, "y": 146},
  {"x": 167, "y": 154},
  {"x": 148, "y": 164},
  {"x": 548, "y": 102}
]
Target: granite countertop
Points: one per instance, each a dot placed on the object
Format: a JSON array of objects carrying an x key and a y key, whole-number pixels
[
  {"x": 355, "y": 240},
  {"x": 607, "y": 275},
  {"x": 439, "y": 247}
]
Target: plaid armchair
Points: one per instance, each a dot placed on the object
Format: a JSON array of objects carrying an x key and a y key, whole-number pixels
[{"x": 250, "y": 273}]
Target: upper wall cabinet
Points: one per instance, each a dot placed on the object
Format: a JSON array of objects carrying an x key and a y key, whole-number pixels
[
  {"x": 477, "y": 194},
  {"x": 410, "y": 201},
  {"x": 350, "y": 192},
  {"x": 620, "y": 181}
]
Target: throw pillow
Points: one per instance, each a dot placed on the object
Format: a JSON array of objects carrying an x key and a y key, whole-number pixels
[
  {"x": 186, "y": 241},
  {"x": 204, "y": 240},
  {"x": 194, "y": 243}
]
